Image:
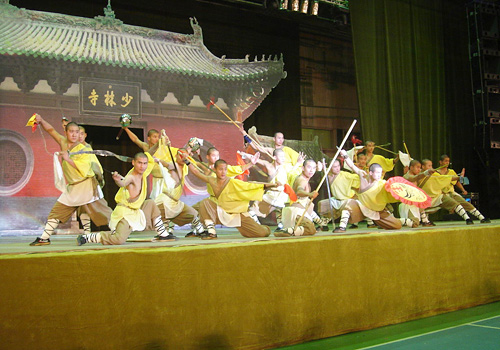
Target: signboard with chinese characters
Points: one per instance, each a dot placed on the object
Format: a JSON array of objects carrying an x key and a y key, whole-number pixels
[{"x": 109, "y": 97}]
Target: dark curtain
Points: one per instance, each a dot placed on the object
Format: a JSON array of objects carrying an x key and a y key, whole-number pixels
[
  {"x": 414, "y": 85},
  {"x": 399, "y": 48}
]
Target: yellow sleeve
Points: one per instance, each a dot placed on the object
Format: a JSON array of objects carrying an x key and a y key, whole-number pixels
[
  {"x": 234, "y": 170},
  {"x": 387, "y": 164},
  {"x": 291, "y": 155},
  {"x": 163, "y": 153},
  {"x": 436, "y": 184}
]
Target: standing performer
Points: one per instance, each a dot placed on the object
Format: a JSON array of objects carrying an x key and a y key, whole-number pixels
[
  {"x": 133, "y": 211},
  {"x": 228, "y": 202},
  {"x": 372, "y": 197},
  {"x": 81, "y": 192},
  {"x": 342, "y": 185},
  {"x": 305, "y": 197},
  {"x": 168, "y": 201}
]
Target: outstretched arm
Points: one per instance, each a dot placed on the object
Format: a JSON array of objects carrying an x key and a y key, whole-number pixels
[
  {"x": 133, "y": 137},
  {"x": 50, "y": 129},
  {"x": 194, "y": 169},
  {"x": 350, "y": 163}
]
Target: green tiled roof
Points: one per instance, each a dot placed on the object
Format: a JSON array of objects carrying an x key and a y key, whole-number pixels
[{"x": 105, "y": 40}]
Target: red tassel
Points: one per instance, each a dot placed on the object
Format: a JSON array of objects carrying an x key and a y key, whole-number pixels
[{"x": 290, "y": 192}]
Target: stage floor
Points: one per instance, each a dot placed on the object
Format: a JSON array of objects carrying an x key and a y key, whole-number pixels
[{"x": 17, "y": 242}]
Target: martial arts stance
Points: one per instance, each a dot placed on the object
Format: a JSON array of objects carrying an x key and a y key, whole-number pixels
[
  {"x": 228, "y": 202},
  {"x": 440, "y": 187},
  {"x": 81, "y": 191},
  {"x": 342, "y": 187},
  {"x": 294, "y": 213},
  {"x": 372, "y": 197},
  {"x": 275, "y": 198},
  {"x": 171, "y": 207},
  {"x": 133, "y": 211},
  {"x": 410, "y": 212}
]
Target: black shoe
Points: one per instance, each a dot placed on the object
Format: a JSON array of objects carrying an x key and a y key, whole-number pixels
[
  {"x": 282, "y": 233},
  {"x": 427, "y": 224},
  {"x": 168, "y": 238},
  {"x": 353, "y": 226},
  {"x": 192, "y": 234},
  {"x": 206, "y": 235},
  {"x": 81, "y": 240},
  {"x": 469, "y": 222},
  {"x": 339, "y": 230},
  {"x": 371, "y": 226},
  {"x": 279, "y": 228},
  {"x": 321, "y": 228},
  {"x": 40, "y": 241},
  {"x": 485, "y": 221}
]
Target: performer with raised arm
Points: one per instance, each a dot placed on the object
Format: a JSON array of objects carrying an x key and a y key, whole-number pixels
[
  {"x": 228, "y": 202},
  {"x": 171, "y": 207},
  {"x": 372, "y": 197},
  {"x": 213, "y": 155},
  {"x": 294, "y": 212},
  {"x": 291, "y": 156},
  {"x": 343, "y": 186},
  {"x": 80, "y": 190},
  {"x": 133, "y": 211}
]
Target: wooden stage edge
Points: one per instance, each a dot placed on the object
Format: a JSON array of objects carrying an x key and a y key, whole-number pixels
[
  {"x": 239, "y": 293},
  {"x": 17, "y": 242}
]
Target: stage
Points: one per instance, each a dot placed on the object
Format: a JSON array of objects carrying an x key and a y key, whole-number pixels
[{"x": 239, "y": 293}]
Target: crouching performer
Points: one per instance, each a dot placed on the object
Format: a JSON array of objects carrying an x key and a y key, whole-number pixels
[
  {"x": 372, "y": 197},
  {"x": 171, "y": 207},
  {"x": 295, "y": 221},
  {"x": 133, "y": 212},
  {"x": 228, "y": 202}
]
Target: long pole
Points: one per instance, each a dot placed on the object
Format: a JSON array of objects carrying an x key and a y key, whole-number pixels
[
  {"x": 232, "y": 121},
  {"x": 327, "y": 171}
]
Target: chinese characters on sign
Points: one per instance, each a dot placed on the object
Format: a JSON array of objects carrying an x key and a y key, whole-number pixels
[{"x": 101, "y": 96}]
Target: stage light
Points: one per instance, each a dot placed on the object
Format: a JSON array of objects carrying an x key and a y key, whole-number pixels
[
  {"x": 305, "y": 6},
  {"x": 315, "y": 8}
]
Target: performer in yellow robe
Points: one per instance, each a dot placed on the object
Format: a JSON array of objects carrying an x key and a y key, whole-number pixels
[
  {"x": 440, "y": 187},
  {"x": 280, "y": 173},
  {"x": 171, "y": 207},
  {"x": 298, "y": 218},
  {"x": 228, "y": 202},
  {"x": 411, "y": 212},
  {"x": 372, "y": 197},
  {"x": 387, "y": 164},
  {"x": 77, "y": 183},
  {"x": 342, "y": 188},
  {"x": 133, "y": 211}
]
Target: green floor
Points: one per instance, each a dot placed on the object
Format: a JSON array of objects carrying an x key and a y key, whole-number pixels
[{"x": 469, "y": 329}]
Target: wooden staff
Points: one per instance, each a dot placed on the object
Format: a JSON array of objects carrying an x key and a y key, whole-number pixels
[
  {"x": 326, "y": 172},
  {"x": 329, "y": 192},
  {"x": 384, "y": 149},
  {"x": 406, "y": 148},
  {"x": 232, "y": 121}
]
